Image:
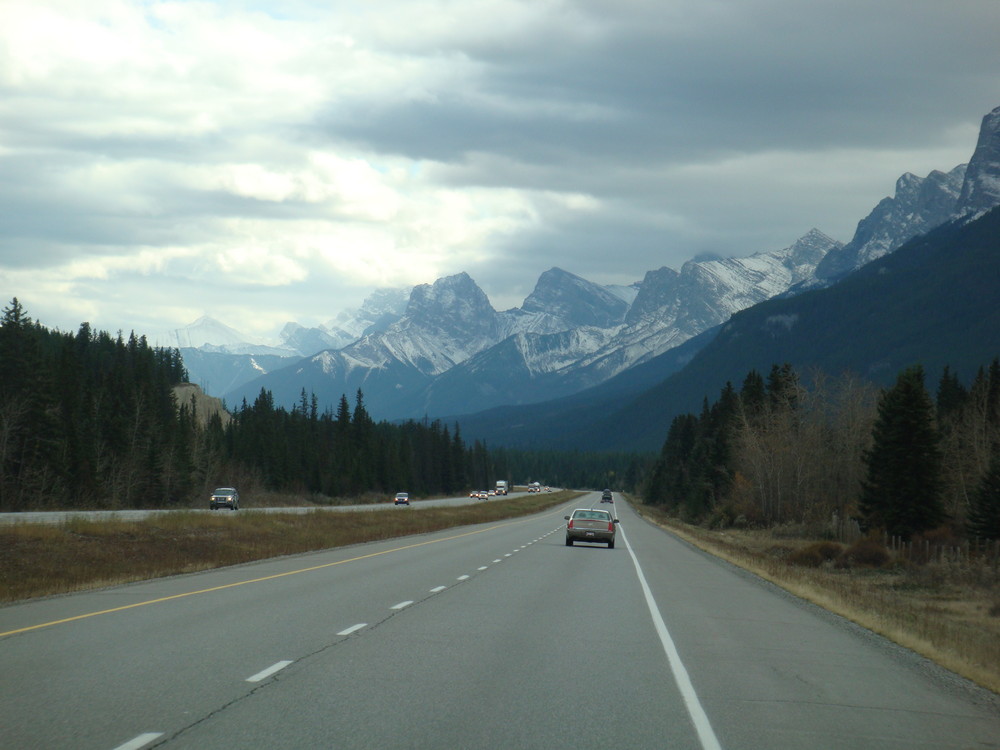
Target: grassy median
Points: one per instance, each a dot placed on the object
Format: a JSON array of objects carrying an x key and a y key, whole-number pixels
[
  {"x": 45, "y": 559},
  {"x": 948, "y": 612}
]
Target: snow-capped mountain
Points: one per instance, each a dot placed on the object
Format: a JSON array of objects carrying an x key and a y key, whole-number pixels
[
  {"x": 669, "y": 309},
  {"x": 451, "y": 352},
  {"x": 561, "y": 301},
  {"x": 444, "y": 323},
  {"x": 220, "y": 358},
  {"x": 380, "y": 309}
]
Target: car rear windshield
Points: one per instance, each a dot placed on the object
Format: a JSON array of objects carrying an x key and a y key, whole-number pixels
[{"x": 596, "y": 515}]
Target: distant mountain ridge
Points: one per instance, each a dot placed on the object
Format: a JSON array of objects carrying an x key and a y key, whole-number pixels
[{"x": 451, "y": 352}]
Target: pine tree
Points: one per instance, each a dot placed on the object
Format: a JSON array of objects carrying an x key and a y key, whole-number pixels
[
  {"x": 984, "y": 510},
  {"x": 902, "y": 491},
  {"x": 951, "y": 394}
]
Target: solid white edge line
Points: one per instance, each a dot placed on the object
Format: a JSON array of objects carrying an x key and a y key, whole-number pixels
[
  {"x": 353, "y": 628},
  {"x": 698, "y": 716},
  {"x": 269, "y": 671},
  {"x": 142, "y": 739},
  {"x": 402, "y": 605}
]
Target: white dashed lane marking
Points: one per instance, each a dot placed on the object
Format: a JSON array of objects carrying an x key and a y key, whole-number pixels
[
  {"x": 269, "y": 671},
  {"x": 141, "y": 741}
]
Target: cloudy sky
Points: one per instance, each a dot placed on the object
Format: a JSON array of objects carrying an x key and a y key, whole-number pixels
[{"x": 262, "y": 162}]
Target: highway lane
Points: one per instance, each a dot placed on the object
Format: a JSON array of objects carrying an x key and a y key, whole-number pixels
[{"x": 488, "y": 636}]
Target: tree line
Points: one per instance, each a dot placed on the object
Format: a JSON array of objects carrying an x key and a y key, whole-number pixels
[
  {"x": 89, "y": 420},
  {"x": 896, "y": 460}
]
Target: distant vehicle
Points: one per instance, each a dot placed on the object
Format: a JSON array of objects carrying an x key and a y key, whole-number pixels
[
  {"x": 607, "y": 497},
  {"x": 534, "y": 487},
  {"x": 590, "y": 525},
  {"x": 402, "y": 498},
  {"x": 501, "y": 487},
  {"x": 483, "y": 495},
  {"x": 224, "y": 497}
]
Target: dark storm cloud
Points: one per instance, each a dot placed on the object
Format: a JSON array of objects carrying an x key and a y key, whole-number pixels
[
  {"x": 764, "y": 75},
  {"x": 302, "y": 158}
]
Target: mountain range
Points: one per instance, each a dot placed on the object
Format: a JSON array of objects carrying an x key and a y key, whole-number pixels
[
  {"x": 442, "y": 350},
  {"x": 451, "y": 352},
  {"x": 932, "y": 302}
]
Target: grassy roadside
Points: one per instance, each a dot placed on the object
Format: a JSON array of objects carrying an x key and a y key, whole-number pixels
[
  {"x": 45, "y": 559},
  {"x": 946, "y": 613}
]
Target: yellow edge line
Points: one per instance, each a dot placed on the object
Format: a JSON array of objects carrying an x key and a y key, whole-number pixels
[{"x": 253, "y": 580}]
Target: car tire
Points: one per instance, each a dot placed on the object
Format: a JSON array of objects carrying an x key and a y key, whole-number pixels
[
  {"x": 611, "y": 544},
  {"x": 569, "y": 542}
]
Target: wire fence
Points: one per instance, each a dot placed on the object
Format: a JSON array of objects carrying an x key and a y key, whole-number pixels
[
  {"x": 970, "y": 552},
  {"x": 975, "y": 552}
]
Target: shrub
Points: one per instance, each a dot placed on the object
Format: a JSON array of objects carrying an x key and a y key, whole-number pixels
[
  {"x": 814, "y": 555},
  {"x": 865, "y": 553}
]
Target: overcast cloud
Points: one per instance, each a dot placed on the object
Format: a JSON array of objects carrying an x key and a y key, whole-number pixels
[{"x": 262, "y": 162}]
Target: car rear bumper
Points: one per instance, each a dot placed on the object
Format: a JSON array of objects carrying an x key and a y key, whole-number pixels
[{"x": 590, "y": 535}]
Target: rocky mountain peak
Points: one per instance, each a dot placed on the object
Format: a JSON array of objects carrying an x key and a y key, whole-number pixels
[
  {"x": 574, "y": 301},
  {"x": 981, "y": 188},
  {"x": 452, "y": 303},
  {"x": 449, "y": 293},
  {"x": 919, "y": 205},
  {"x": 657, "y": 290}
]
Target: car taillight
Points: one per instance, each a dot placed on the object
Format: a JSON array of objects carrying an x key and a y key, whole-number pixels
[
  {"x": 611, "y": 525},
  {"x": 570, "y": 524}
]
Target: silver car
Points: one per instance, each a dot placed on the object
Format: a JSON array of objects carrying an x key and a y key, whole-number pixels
[
  {"x": 591, "y": 525},
  {"x": 224, "y": 497}
]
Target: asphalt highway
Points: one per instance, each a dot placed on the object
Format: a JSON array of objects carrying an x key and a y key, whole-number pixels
[{"x": 489, "y": 636}]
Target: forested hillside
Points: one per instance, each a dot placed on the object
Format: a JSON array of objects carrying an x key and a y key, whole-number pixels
[{"x": 778, "y": 451}]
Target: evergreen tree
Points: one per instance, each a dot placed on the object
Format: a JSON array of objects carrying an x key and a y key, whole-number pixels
[
  {"x": 753, "y": 394},
  {"x": 984, "y": 509},
  {"x": 783, "y": 387},
  {"x": 951, "y": 394},
  {"x": 902, "y": 491}
]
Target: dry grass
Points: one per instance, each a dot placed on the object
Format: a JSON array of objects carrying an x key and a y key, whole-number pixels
[
  {"x": 44, "y": 559},
  {"x": 949, "y": 613}
]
